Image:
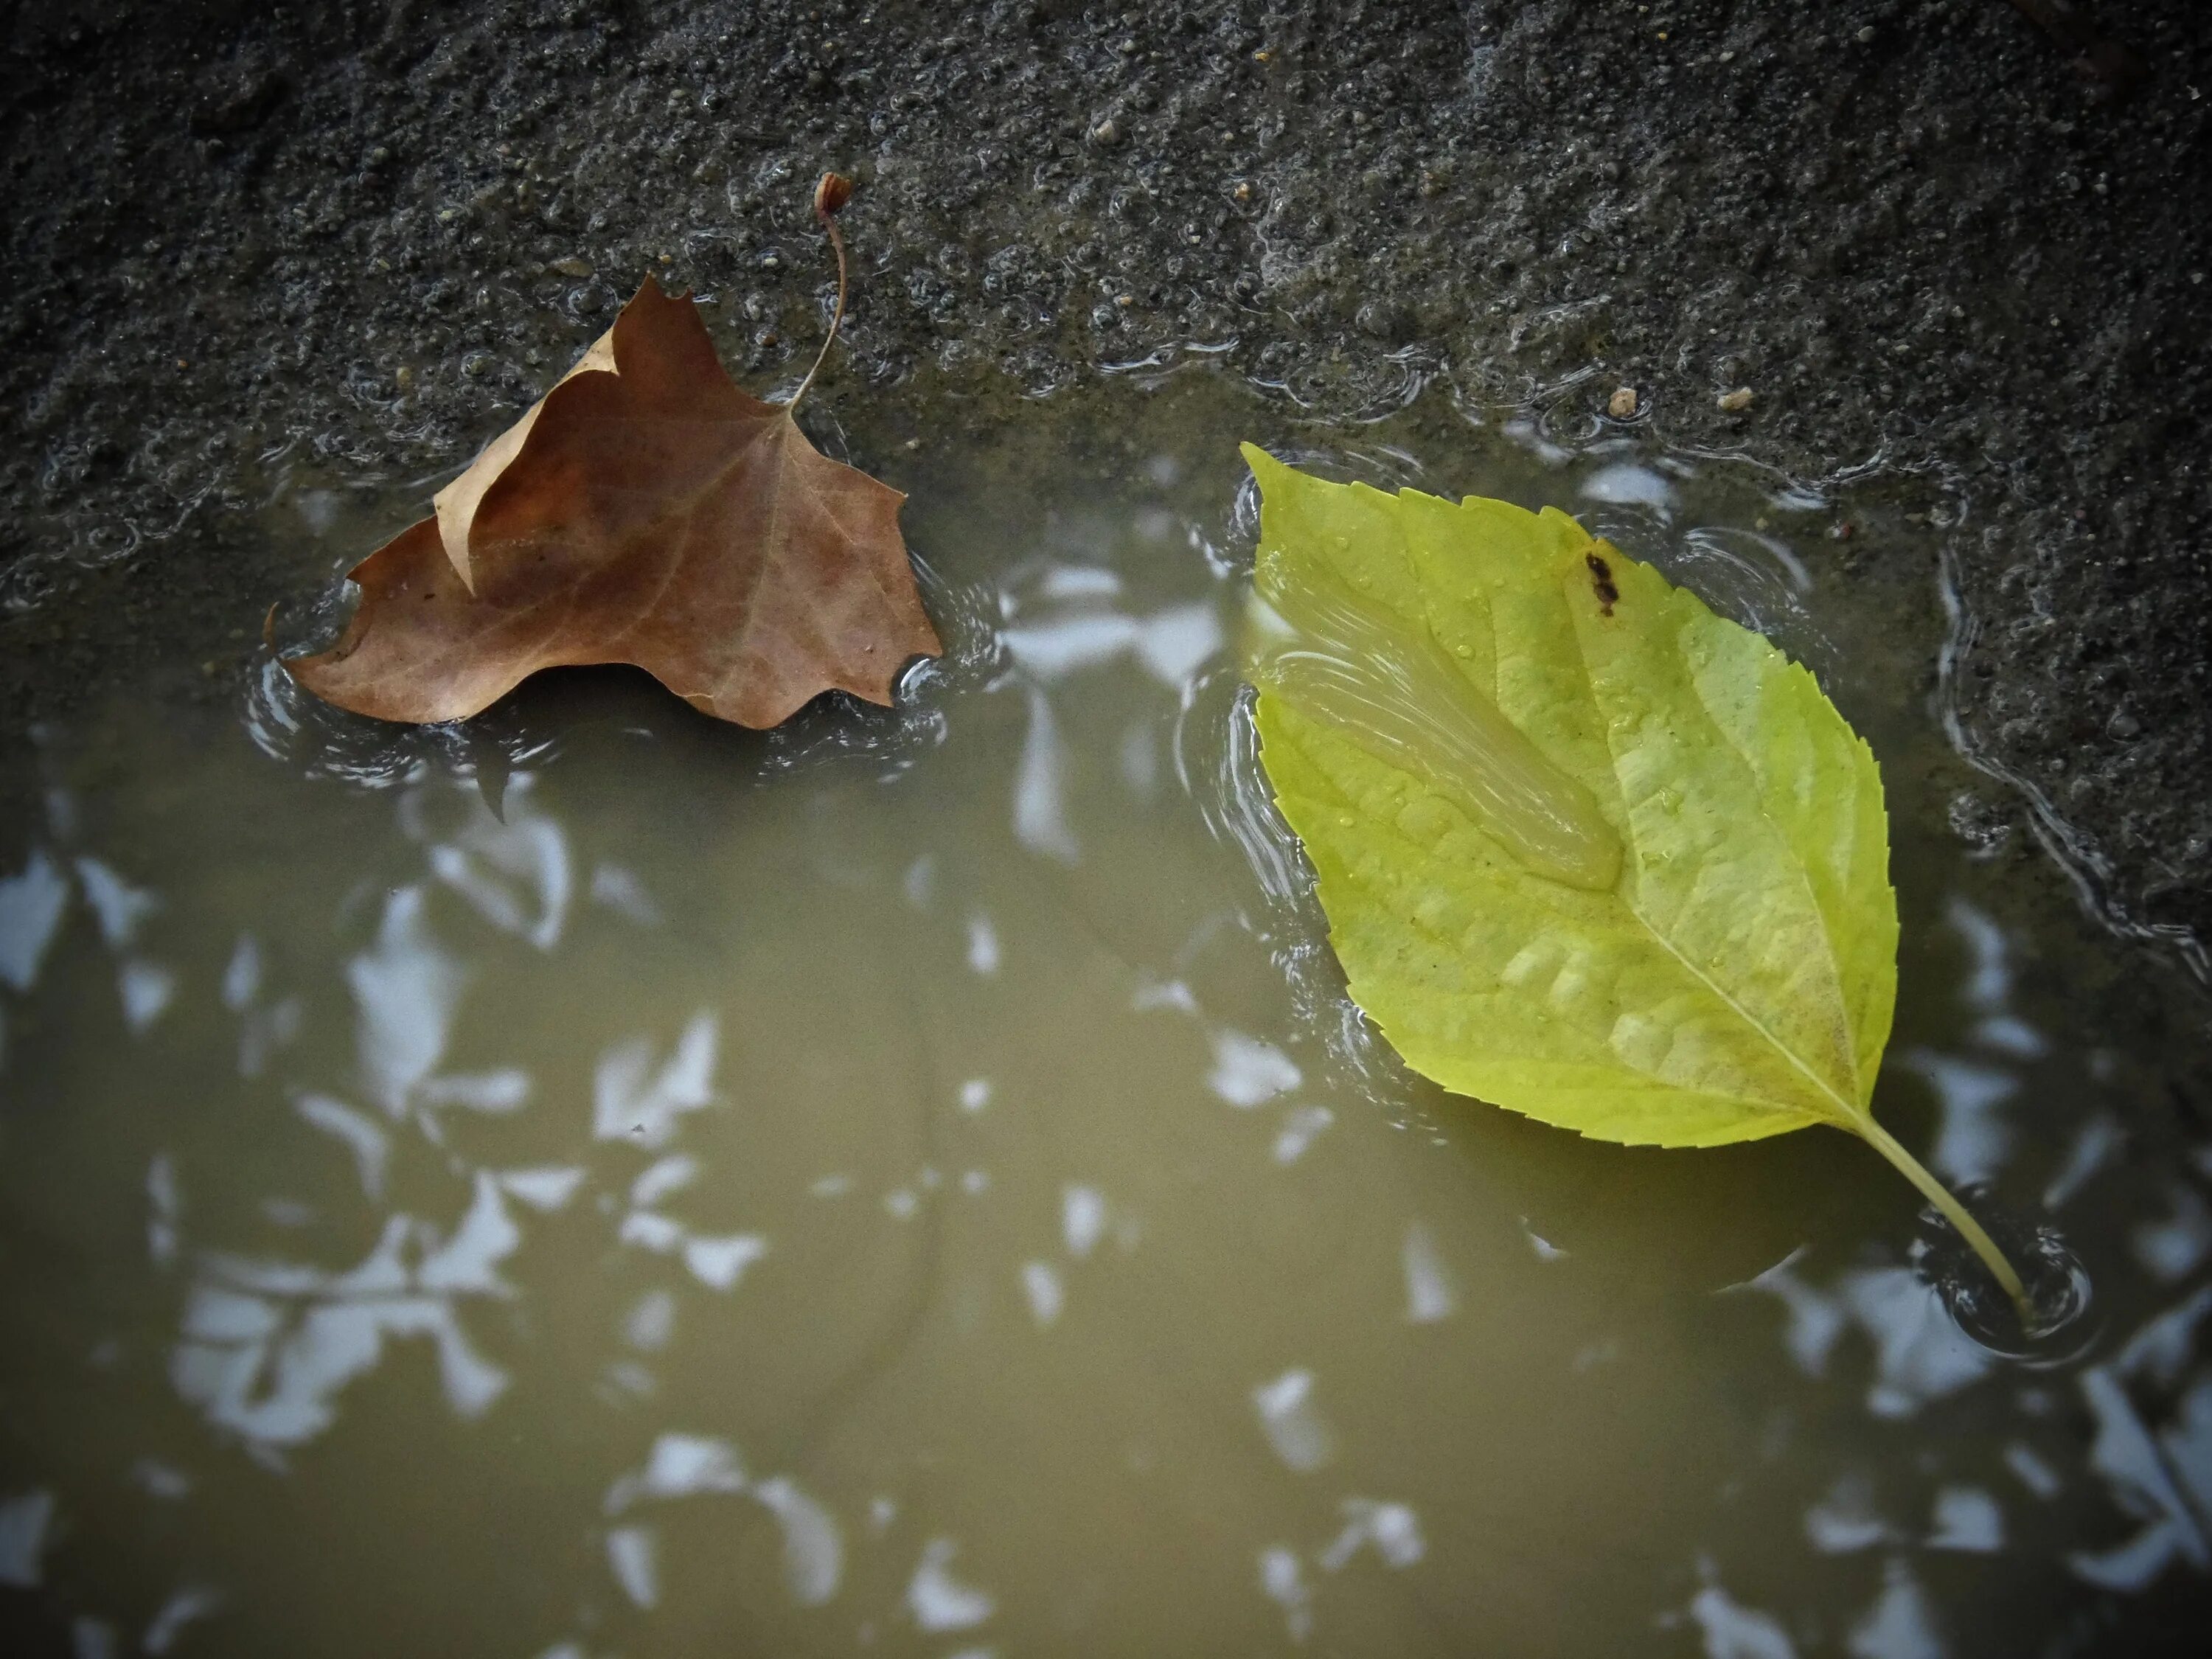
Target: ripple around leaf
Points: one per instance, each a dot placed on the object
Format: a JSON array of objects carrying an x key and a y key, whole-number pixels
[
  {"x": 1231, "y": 793},
  {"x": 289, "y": 726},
  {"x": 2058, "y": 1288}
]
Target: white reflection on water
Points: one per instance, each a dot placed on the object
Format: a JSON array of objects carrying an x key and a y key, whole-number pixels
[
  {"x": 165, "y": 1204},
  {"x": 2142, "y": 1484},
  {"x": 515, "y": 873},
  {"x": 1302, "y": 1126},
  {"x": 2032, "y": 1471},
  {"x": 1845, "y": 1521},
  {"x": 633, "y": 1101},
  {"x": 405, "y": 989},
  {"x": 23, "y": 1522},
  {"x": 1248, "y": 1072},
  {"x": 1041, "y": 790},
  {"x": 1041, "y": 1285},
  {"x": 814, "y": 1547},
  {"x": 266, "y": 1345},
  {"x": 679, "y": 1466},
  {"x": 1815, "y": 1317},
  {"x": 145, "y": 989},
  {"x": 1063, "y": 621},
  {"x": 1082, "y": 1218},
  {"x": 631, "y": 1557},
  {"x": 716, "y": 1262},
  {"x": 2172, "y": 1247},
  {"x": 1140, "y": 760},
  {"x": 117, "y": 906},
  {"x": 1900, "y": 1624},
  {"x": 241, "y": 978},
  {"x": 1282, "y": 1581},
  {"x": 31, "y": 905},
  {"x": 1967, "y": 1519},
  {"x": 687, "y": 1466},
  {"x": 1294, "y": 1427},
  {"x": 1429, "y": 1293},
  {"x": 1624, "y": 484},
  {"x": 1051, "y": 651},
  {"x": 2093, "y": 1145},
  {"x": 624, "y": 892},
  {"x": 1731, "y": 1630},
  {"x": 938, "y": 1600},
  {"x": 1920, "y": 1354},
  {"x": 467, "y": 1264},
  {"x": 652, "y": 1322},
  {"x": 262, "y": 1028},
  {"x": 983, "y": 945},
  {"x": 1392, "y": 1531},
  {"x": 1972, "y": 1141},
  {"x": 1172, "y": 644},
  {"x": 191, "y": 1603}
]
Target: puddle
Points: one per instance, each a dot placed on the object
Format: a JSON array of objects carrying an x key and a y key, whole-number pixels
[{"x": 595, "y": 1182}]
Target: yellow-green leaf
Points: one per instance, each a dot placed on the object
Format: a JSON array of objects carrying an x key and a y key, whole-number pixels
[{"x": 1733, "y": 979}]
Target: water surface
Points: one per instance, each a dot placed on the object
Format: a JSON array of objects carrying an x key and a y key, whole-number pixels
[{"x": 595, "y": 1182}]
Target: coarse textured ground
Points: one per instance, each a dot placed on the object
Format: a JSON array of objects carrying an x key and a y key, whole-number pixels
[{"x": 365, "y": 234}]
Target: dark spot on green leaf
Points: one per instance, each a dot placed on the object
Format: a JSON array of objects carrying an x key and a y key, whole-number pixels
[{"x": 1601, "y": 583}]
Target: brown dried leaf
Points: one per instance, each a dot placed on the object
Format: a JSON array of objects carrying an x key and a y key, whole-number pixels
[{"x": 647, "y": 511}]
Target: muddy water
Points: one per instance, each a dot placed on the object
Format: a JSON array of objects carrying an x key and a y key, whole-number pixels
[{"x": 597, "y": 1182}]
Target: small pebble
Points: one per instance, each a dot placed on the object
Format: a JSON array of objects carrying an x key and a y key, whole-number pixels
[
  {"x": 1622, "y": 405},
  {"x": 1735, "y": 402},
  {"x": 574, "y": 265},
  {"x": 1106, "y": 135},
  {"x": 1866, "y": 35}
]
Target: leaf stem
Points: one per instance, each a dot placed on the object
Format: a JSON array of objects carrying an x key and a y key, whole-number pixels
[
  {"x": 829, "y": 195},
  {"x": 1957, "y": 1214}
]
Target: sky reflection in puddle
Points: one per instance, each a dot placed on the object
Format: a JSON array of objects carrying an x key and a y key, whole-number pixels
[{"x": 600, "y": 1183}]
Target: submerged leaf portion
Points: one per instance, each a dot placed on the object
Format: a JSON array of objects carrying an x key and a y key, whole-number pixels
[
  {"x": 1379, "y": 677},
  {"x": 1736, "y": 977}
]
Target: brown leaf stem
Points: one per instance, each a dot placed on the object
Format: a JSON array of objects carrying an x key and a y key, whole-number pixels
[{"x": 831, "y": 193}]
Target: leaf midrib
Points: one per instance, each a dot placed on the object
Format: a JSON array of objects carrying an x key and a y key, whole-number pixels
[
  {"x": 1412, "y": 920},
  {"x": 1850, "y": 1111}
]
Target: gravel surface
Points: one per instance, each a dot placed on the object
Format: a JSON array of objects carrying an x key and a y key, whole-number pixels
[{"x": 361, "y": 236}]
